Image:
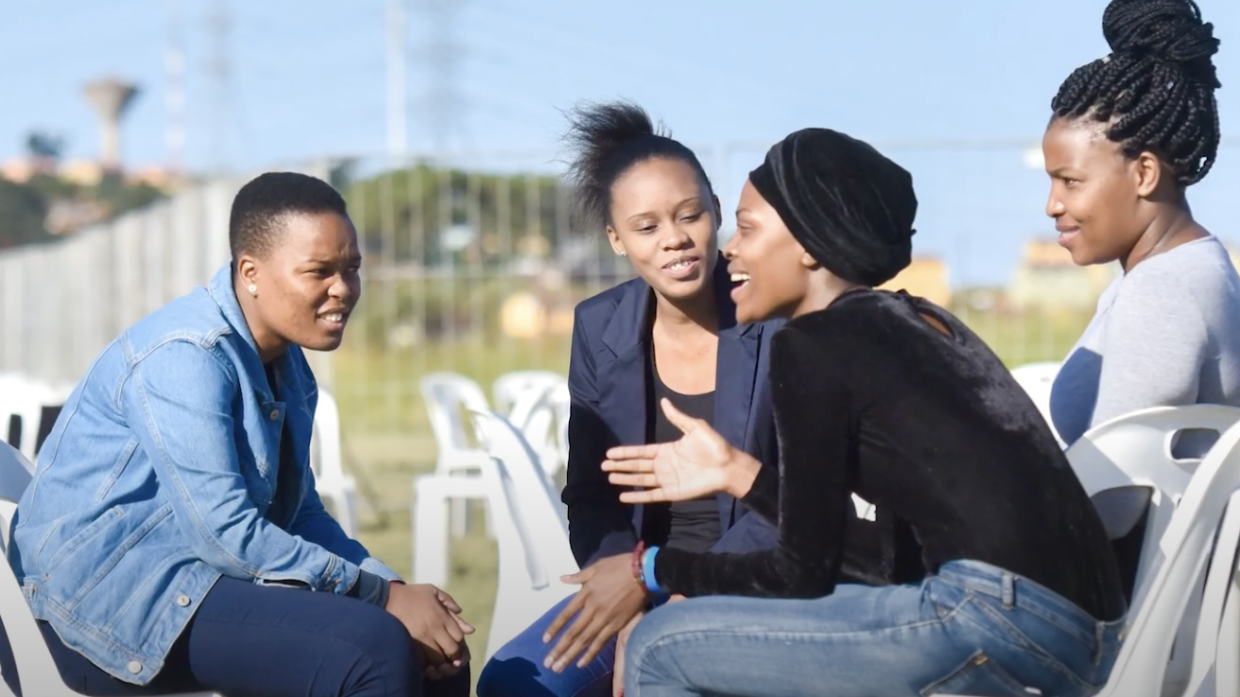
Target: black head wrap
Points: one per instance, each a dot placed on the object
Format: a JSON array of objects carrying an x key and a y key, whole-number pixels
[{"x": 848, "y": 205}]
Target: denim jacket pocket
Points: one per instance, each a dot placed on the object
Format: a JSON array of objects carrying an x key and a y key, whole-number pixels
[
  {"x": 979, "y": 677},
  {"x": 79, "y": 540}
]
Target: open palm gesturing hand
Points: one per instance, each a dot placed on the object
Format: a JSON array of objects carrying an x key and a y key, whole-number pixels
[{"x": 694, "y": 466}]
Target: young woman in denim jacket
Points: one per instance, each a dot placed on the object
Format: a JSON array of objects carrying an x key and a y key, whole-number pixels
[{"x": 172, "y": 539}]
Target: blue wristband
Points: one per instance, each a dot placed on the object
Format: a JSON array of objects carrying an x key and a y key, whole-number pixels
[{"x": 648, "y": 578}]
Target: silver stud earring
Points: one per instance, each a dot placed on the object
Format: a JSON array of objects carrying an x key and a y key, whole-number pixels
[
  {"x": 253, "y": 289},
  {"x": 623, "y": 254}
]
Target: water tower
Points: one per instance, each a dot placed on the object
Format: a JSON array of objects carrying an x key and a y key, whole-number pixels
[{"x": 110, "y": 98}]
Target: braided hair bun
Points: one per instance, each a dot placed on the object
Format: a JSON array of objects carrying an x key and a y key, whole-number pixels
[{"x": 1156, "y": 89}]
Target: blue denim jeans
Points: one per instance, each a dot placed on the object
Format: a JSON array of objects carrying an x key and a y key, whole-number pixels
[
  {"x": 516, "y": 670},
  {"x": 973, "y": 629}
]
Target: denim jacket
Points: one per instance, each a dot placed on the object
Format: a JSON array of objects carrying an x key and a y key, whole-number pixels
[{"x": 155, "y": 481}]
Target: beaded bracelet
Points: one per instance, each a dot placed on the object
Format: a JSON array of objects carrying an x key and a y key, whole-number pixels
[{"x": 637, "y": 561}]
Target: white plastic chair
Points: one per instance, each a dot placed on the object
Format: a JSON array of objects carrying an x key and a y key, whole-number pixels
[
  {"x": 24, "y": 397},
  {"x": 1136, "y": 449},
  {"x": 533, "y": 538},
  {"x": 1183, "y": 551},
  {"x": 36, "y": 670},
  {"x": 1162, "y": 602},
  {"x": 330, "y": 479},
  {"x": 542, "y": 417},
  {"x": 448, "y": 397},
  {"x": 508, "y": 389},
  {"x": 1037, "y": 380},
  {"x": 1216, "y": 670}
]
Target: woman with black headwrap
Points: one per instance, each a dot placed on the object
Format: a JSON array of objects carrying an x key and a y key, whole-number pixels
[{"x": 885, "y": 395}]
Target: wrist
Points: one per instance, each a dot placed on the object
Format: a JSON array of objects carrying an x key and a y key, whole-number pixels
[
  {"x": 636, "y": 563},
  {"x": 740, "y": 474}
]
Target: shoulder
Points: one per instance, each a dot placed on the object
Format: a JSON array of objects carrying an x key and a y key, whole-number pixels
[
  {"x": 850, "y": 314},
  {"x": 861, "y": 328},
  {"x": 1201, "y": 265},
  {"x": 602, "y": 304},
  {"x": 593, "y": 314},
  {"x": 1196, "y": 275},
  {"x": 194, "y": 318}
]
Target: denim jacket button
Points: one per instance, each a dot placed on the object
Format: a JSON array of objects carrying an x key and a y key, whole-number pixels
[
  {"x": 183, "y": 600},
  {"x": 135, "y": 667},
  {"x": 275, "y": 414}
]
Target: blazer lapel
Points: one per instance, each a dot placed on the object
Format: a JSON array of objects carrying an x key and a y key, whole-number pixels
[
  {"x": 736, "y": 369},
  {"x": 621, "y": 371}
]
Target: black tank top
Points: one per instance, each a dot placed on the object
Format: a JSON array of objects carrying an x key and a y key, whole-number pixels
[{"x": 694, "y": 525}]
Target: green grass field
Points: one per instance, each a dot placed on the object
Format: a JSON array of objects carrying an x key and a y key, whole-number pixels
[{"x": 387, "y": 439}]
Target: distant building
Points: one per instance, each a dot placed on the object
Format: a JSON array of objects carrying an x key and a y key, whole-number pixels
[
  {"x": 926, "y": 277},
  {"x": 82, "y": 172},
  {"x": 70, "y": 215},
  {"x": 1047, "y": 277}
]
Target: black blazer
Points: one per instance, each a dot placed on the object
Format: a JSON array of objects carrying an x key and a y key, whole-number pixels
[{"x": 607, "y": 378}]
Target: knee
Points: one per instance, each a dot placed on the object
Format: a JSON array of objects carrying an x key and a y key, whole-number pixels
[
  {"x": 647, "y": 645},
  {"x": 511, "y": 674},
  {"x": 386, "y": 650}
]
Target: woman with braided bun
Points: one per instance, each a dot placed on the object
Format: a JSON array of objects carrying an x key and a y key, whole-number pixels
[{"x": 1129, "y": 134}]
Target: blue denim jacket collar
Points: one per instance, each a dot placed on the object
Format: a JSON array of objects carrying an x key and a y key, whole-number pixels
[{"x": 222, "y": 289}]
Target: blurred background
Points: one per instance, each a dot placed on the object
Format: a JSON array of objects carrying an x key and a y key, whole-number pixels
[{"x": 126, "y": 127}]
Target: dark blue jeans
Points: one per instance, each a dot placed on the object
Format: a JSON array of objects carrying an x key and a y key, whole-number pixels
[
  {"x": 516, "y": 670},
  {"x": 248, "y": 640}
]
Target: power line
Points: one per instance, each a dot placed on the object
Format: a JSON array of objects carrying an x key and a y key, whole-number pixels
[
  {"x": 219, "y": 71},
  {"x": 441, "y": 106},
  {"x": 174, "y": 96},
  {"x": 397, "y": 98}
]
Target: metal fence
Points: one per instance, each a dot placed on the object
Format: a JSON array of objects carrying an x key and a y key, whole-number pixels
[{"x": 473, "y": 264}]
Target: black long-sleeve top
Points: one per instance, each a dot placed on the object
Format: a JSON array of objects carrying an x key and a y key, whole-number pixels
[{"x": 871, "y": 398}]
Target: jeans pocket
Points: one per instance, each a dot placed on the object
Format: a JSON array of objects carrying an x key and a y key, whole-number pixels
[{"x": 978, "y": 677}]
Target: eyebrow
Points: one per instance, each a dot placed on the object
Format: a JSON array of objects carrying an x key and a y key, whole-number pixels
[{"x": 691, "y": 199}]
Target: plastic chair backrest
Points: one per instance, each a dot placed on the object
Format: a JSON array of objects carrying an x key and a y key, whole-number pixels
[
  {"x": 325, "y": 452},
  {"x": 533, "y": 540},
  {"x": 542, "y": 417},
  {"x": 1183, "y": 551},
  {"x": 1136, "y": 449},
  {"x": 508, "y": 389},
  {"x": 1218, "y": 626},
  {"x": 25, "y": 398},
  {"x": 531, "y": 500},
  {"x": 448, "y": 396},
  {"x": 1037, "y": 379}
]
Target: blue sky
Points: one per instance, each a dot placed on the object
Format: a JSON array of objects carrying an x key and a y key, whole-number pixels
[{"x": 308, "y": 79}]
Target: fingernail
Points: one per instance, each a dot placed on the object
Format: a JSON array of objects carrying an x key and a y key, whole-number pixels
[
  {"x": 559, "y": 667},
  {"x": 547, "y": 663},
  {"x": 546, "y": 638}
]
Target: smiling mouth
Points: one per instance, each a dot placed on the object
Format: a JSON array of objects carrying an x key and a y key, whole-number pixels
[{"x": 334, "y": 317}]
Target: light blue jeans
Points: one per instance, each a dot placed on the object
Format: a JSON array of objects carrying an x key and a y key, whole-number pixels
[{"x": 973, "y": 629}]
